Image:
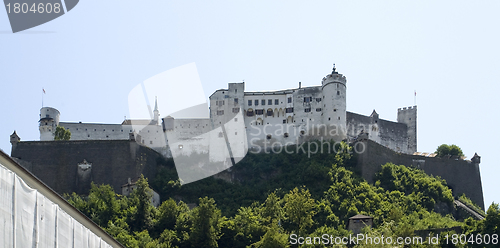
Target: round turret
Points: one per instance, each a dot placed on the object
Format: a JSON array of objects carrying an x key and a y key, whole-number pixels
[
  {"x": 49, "y": 120},
  {"x": 334, "y": 102}
]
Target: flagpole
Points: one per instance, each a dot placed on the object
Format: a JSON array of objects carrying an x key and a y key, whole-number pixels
[
  {"x": 415, "y": 99},
  {"x": 43, "y": 93}
]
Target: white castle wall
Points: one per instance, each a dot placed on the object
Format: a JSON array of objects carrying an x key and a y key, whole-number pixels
[{"x": 264, "y": 119}]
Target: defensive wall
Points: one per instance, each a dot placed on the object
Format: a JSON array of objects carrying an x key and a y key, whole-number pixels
[
  {"x": 70, "y": 166},
  {"x": 462, "y": 176}
]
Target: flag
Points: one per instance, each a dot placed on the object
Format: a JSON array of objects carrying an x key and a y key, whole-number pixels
[
  {"x": 415, "y": 93},
  {"x": 43, "y": 90}
]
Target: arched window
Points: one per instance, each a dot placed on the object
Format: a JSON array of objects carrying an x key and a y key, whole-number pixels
[{"x": 270, "y": 112}]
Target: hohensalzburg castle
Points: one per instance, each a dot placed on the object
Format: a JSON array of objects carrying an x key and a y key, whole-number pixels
[
  {"x": 237, "y": 122},
  {"x": 265, "y": 119}
]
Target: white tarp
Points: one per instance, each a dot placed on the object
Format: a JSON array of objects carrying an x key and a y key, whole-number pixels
[{"x": 29, "y": 219}]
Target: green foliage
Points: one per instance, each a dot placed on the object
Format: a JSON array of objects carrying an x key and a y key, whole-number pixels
[
  {"x": 62, "y": 133},
  {"x": 205, "y": 230},
  {"x": 142, "y": 214},
  {"x": 425, "y": 190},
  {"x": 449, "y": 150},
  {"x": 299, "y": 211}
]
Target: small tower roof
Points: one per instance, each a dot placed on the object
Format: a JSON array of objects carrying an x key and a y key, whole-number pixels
[{"x": 360, "y": 216}]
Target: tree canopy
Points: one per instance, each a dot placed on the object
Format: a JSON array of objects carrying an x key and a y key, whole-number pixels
[
  {"x": 62, "y": 133},
  {"x": 449, "y": 150}
]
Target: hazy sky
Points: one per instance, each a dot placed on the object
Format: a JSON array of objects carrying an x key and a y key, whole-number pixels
[{"x": 89, "y": 59}]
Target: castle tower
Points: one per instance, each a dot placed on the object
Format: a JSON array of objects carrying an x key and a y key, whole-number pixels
[
  {"x": 156, "y": 112},
  {"x": 49, "y": 120},
  {"x": 409, "y": 117},
  {"x": 334, "y": 102}
]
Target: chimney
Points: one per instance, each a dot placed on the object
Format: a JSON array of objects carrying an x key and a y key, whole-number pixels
[{"x": 300, "y": 85}]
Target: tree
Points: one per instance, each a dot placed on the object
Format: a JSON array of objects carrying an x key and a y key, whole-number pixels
[
  {"x": 299, "y": 210},
  {"x": 452, "y": 150},
  {"x": 62, "y": 133},
  {"x": 143, "y": 214},
  {"x": 205, "y": 231},
  {"x": 102, "y": 204}
]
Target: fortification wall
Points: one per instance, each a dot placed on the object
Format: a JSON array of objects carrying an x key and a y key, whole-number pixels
[
  {"x": 94, "y": 131},
  {"x": 113, "y": 162},
  {"x": 387, "y": 133},
  {"x": 462, "y": 176}
]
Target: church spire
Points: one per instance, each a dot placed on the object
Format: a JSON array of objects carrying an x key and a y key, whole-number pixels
[
  {"x": 156, "y": 103},
  {"x": 156, "y": 112}
]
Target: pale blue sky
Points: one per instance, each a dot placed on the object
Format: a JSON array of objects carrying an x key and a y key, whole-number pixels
[{"x": 89, "y": 59}]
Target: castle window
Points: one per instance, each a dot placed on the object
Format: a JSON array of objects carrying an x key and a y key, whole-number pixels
[
  {"x": 85, "y": 129},
  {"x": 235, "y": 119},
  {"x": 302, "y": 132},
  {"x": 339, "y": 117},
  {"x": 286, "y": 135},
  {"x": 220, "y": 112},
  {"x": 235, "y": 133},
  {"x": 107, "y": 136},
  {"x": 235, "y": 90},
  {"x": 250, "y": 112},
  {"x": 338, "y": 92},
  {"x": 111, "y": 130},
  {"x": 180, "y": 146},
  {"x": 289, "y": 110},
  {"x": 221, "y": 135},
  {"x": 269, "y": 112},
  {"x": 104, "y": 130},
  {"x": 276, "y": 102},
  {"x": 256, "y": 102},
  {"x": 95, "y": 129},
  {"x": 263, "y": 102},
  {"x": 329, "y": 118},
  {"x": 236, "y": 110},
  {"x": 150, "y": 142},
  {"x": 122, "y": 130},
  {"x": 334, "y": 110},
  {"x": 259, "y": 111},
  {"x": 318, "y": 99},
  {"x": 284, "y": 121},
  {"x": 318, "y": 110},
  {"x": 235, "y": 100},
  {"x": 249, "y": 102},
  {"x": 268, "y": 136},
  {"x": 289, "y": 100},
  {"x": 76, "y": 129},
  {"x": 307, "y": 110},
  {"x": 270, "y": 102},
  {"x": 307, "y": 99}
]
